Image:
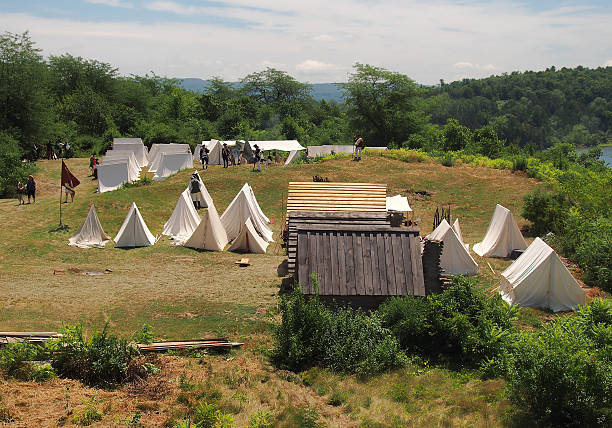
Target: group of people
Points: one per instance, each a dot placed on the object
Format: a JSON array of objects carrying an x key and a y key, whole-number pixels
[
  {"x": 29, "y": 189},
  {"x": 57, "y": 149}
]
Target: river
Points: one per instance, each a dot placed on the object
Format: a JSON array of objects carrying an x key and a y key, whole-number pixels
[{"x": 606, "y": 155}]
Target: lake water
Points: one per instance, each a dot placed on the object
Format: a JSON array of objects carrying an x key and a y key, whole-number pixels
[{"x": 606, "y": 156}]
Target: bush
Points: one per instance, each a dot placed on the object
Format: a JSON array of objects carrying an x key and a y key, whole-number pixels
[
  {"x": 519, "y": 164},
  {"x": 546, "y": 211},
  {"x": 459, "y": 326},
  {"x": 208, "y": 415},
  {"x": 15, "y": 359},
  {"x": 103, "y": 359},
  {"x": 447, "y": 160},
  {"x": 562, "y": 375},
  {"x": 344, "y": 340},
  {"x": 12, "y": 169},
  {"x": 144, "y": 181},
  {"x": 261, "y": 419}
]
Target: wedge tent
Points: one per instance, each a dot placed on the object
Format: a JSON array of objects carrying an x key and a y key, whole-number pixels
[
  {"x": 90, "y": 234},
  {"x": 292, "y": 157},
  {"x": 248, "y": 240},
  {"x": 539, "y": 279},
  {"x": 503, "y": 235},
  {"x": 171, "y": 163},
  {"x": 457, "y": 230},
  {"x": 210, "y": 234},
  {"x": 184, "y": 219},
  {"x": 112, "y": 175},
  {"x": 134, "y": 232},
  {"x": 243, "y": 207},
  {"x": 455, "y": 259}
]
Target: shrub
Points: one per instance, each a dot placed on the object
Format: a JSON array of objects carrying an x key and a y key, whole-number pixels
[
  {"x": 261, "y": 419},
  {"x": 88, "y": 414},
  {"x": 345, "y": 340},
  {"x": 447, "y": 160},
  {"x": 144, "y": 181},
  {"x": 144, "y": 335},
  {"x": 519, "y": 164},
  {"x": 301, "y": 416},
  {"x": 546, "y": 211},
  {"x": 562, "y": 374},
  {"x": 12, "y": 169},
  {"x": 208, "y": 415},
  {"x": 459, "y": 326},
  {"x": 102, "y": 359},
  {"x": 14, "y": 359}
]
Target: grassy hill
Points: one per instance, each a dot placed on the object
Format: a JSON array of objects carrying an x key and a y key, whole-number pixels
[{"x": 185, "y": 293}]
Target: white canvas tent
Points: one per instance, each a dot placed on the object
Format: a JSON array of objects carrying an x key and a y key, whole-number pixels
[
  {"x": 455, "y": 259},
  {"x": 398, "y": 203},
  {"x": 281, "y": 145},
  {"x": 184, "y": 219},
  {"x": 135, "y": 145},
  {"x": 158, "y": 149},
  {"x": 111, "y": 176},
  {"x": 90, "y": 234},
  {"x": 457, "y": 230},
  {"x": 210, "y": 234},
  {"x": 133, "y": 170},
  {"x": 245, "y": 206},
  {"x": 122, "y": 155},
  {"x": 171, "y": 163},
  {"x": 134, "y": 232},
  {"x": 248, "y": 240},
  {"x": 503, "y": 235},
  {"x": 198, "y": 149},
  {"x": 539, "y": 279}
]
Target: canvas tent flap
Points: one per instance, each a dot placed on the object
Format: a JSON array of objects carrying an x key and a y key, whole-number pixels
[
  {"x": 134, "y": 231},
  {"x": 245, "y": 206},
  {"x": 112, "y": 176},
  {"x": 90, "y": 234},
  {"x": 503, "y": 235},
  {"x": 455, "y": 259},
  {"x": 398, "y": 203},
  {"x": 159, "y": 149},
  {"x": 248, "y": 240},
  {"x": 281, "y": 145},
  {"x": 171, "y": 163},
  {"x": 457, "y": 230},
  {"x": 292, "y": 157},
  {"x": 127, "y": 141},
  {"x": 210, "y": 234},
  {"x": 184, "y": 219},
  {"x": 539, "y": 279},
  {"x": 133, "y": 171},
  {"x": 135, "y": 146}
]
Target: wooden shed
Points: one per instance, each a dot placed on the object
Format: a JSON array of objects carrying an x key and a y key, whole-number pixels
[
  {"x": 362, "y": 265},
  {"x": 326, "y": 196}
]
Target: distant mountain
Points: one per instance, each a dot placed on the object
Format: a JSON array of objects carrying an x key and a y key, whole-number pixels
[{"x": 320, "y": 91}]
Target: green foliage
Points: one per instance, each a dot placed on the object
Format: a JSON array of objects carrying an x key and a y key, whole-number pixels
[
  {"x": 455, "y": 136},
  {"x": 12, "y": 169},
  {"x": 14, "y": 356},
  {"x": 345, "y": 340},
  {"x": 102, "y": 359},
  {"x": 261, "y": 419},
  {"x": 562, "y": 374},
  {"x": 447, "y": 160},
  {"x": 519, "y": 163},
  {"x": 546, "y": 211},
  {"x": 459, "y": 326},
  {"x": 89, "y": 414},
  {"x": 301, "y": 417},
  {"x": 208, "y": 415},
  {"x": 144, "y": 335},
  {"x": 144, "y": 181}
]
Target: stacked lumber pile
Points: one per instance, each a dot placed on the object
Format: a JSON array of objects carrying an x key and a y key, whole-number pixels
[
  {"x": 317, "y": 196},
  {"x": 297, "y": 219},
  {"x": 29, "y": 336},
  {"x": 220, "y": 343}
]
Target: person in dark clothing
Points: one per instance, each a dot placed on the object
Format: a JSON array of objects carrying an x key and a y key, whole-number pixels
[
  {"x": 195, "y": 191},
  {"x": 204, "y": 157},
  {"x": 257, "y": 153},
  {"x": 31, "y": 188},
  {"x": 225, "y": 155}
]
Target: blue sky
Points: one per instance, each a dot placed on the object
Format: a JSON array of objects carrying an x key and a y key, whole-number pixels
[{"x": 320, "y": 40}]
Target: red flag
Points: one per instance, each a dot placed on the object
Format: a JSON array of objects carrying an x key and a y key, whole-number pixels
[{"x": 68, "y": 180}]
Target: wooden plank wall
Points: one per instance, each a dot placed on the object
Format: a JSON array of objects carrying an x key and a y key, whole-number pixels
[
  {"x": 321, "y": 196},
  {"x": 298, "y": 219},
  {"x": 360, "y": 260}
]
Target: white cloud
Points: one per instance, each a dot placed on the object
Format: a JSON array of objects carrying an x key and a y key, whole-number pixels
[
  {"x": 314, "y": 66},
  {"x": 114, "y": 3},
  {"x": 463, "y": 39}
]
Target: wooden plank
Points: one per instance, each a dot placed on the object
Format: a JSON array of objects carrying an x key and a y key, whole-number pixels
[
  {"x": 382, "y": 268},
  {"x": 407, "y": 263},
  {"x": 417, "y": 267},
  {"x": 349, "y": 287},
  {"x": 333, "y": 260},
  {"x": 327, "y": 266},
  {"x": 366, "y": 247},
  {"x": 341, "y": 263},
  {"x": 302, "y": 258},
  {"x": 359, "y": 274},
  {"x": 319, "y": 265},
  {"x": 315, "y": 214},
  {"x": 398, "y": 265},
  {"x": 361, "y": 228},
  {"x": 389, "y": 265},
  {"x": 312, "y": 260}
]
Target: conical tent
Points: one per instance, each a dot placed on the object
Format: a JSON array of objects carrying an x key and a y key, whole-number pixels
[
  {"x": 184, "y": 219},
  {"x": 457, "y": 230},
  {"x": 539, "y": 279},
  {"x": 210, "y": 234},
  {"x": 90, "y": 234},
  {"x": 245, "y": 206},
  {"x": 248, "y": 240},
  {"x": 503, "y": 235},
  {"x": 134, "y": 232},
  {"x": 204, "y": 197},
  {"x": 455, "y": 259}
]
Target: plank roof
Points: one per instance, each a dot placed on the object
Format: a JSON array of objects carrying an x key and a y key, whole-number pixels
[{"x": 327, "y": 196}]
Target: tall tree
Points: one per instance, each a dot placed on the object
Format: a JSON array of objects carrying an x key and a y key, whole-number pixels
[
  {"x": 383, "y": 105},
  {"x": 273, "y": 86}
]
